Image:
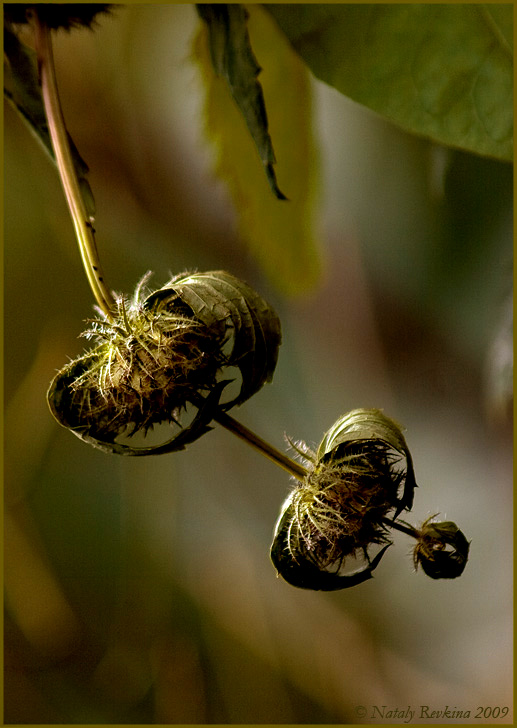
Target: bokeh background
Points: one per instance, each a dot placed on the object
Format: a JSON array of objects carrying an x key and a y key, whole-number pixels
[{"x": 140, "y": 590}]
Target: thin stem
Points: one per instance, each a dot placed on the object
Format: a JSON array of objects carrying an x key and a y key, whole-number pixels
[
  {"x": 278, "y": 457},
  {"x": 291, "y": 466},
  {"x": 58, "y": 134},
  {"x": 401, "y": 526}
]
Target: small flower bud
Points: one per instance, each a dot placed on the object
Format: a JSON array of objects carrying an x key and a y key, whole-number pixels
[{"x": 442, "y": 550}]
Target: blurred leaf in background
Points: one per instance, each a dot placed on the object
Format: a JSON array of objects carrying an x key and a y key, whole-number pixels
[
  {"x": 281, "y": 234},
  {"x": 233, "y": 60},
  {"x": 443, "y": 71}
]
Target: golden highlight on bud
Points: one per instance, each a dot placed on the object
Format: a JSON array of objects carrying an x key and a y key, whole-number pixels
[
  {"x": 361, "y": 472},
  {"x": 163, "y": 351}
]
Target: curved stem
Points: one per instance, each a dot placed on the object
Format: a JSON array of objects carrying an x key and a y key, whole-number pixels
[
  {"x": 406, "y": 528},
  {"x": 58, "y": 134},
  {"x": 278, "y": 457}
]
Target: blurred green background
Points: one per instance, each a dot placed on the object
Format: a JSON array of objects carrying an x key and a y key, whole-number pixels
[{"x": 140, "y": 590}]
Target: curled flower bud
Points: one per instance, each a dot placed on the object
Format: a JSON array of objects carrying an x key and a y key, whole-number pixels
[
  {"x": 442, "y": 550},
  {"x": 361, "y": 472},
  {"x": 162, "y": 353}
]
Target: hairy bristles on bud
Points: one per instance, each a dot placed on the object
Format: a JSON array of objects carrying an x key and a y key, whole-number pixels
[
  {"x": 157, "y": 352},
  {"x": 143, "y": 370},
  {"x": 301, "y": 448},
  {"x": 339, "y": 507}
]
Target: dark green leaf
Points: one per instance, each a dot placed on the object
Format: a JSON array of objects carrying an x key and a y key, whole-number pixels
[
  {"x": 444, "y": 71},
  {"x": 302, "y": 572},
  {"x": 370, "y": 426},
  {"x": 219, "y": 299},
  {"x": 179, "y": 441},
  {"x": 234, "y": 60}
]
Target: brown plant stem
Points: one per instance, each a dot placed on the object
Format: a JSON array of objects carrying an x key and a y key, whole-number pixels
[
  {"x": 278, "y": 457},
  {"x": 406, "y": 528},
  {"x": 67, "y": 173}
]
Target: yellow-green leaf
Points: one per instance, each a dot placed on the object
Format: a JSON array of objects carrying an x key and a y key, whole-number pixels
[
  {"x": 233, "y": 59},
  {"x": 280, "y": 233}
]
